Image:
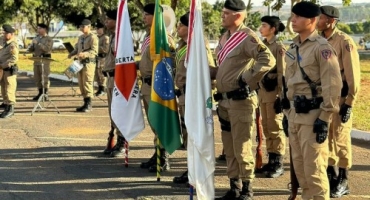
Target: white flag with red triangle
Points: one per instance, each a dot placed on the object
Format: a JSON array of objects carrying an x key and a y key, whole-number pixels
[{"x": 126, "y": 109}]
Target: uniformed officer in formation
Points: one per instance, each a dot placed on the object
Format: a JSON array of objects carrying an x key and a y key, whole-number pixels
[
  {"x": 180, "y": 80},
  {"x": 102, "y": 53},
  {"x": 314, "y": 84},
  {"x": 146, "y": 70},
  {"x": 341, "y": 125},
  {"x": 243, "y": 59},
  {"x": 8, "y": 68},
  {"x": 269, "y": 98},
  {"x": 41, "y": 48},
  {"x": 108, "y": 71},
  {"x": 86, "y": 50}
]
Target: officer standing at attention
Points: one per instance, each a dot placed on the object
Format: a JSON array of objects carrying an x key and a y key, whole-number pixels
[
  {"x": 102, "y": 53},
  {"x": 108, "y": 71},
  {"x": 146, "y": 70},
  {"x": 41, "y": 47},
  {"x": 269, "y": 96},
  {"x": 340, "y": 128},
  {"x": 180, "y": 80},
  {"x": 86, "y": 50},
  {"x": 243, "y": 59},
  {"x": 8, "y": 65},
  {"x": 314, "y": 83}
]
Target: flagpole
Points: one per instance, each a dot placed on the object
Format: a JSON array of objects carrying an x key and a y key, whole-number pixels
[
  {"x": 158, "y": 160},
  {"x": 126, "y": 153}
]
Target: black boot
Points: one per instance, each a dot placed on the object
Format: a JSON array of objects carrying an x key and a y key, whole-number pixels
[
  {"x": 2, "y": 105},
  {"x": 164, "y": 162},
  {"x": 276, "y": 167},
  {"x": 101, "y": 91},
  {"x": 332, "y": 177},
  {"x": 38, "y": 95},
  {"x": 118, "y": 149},
  {"x": 221, "y": 157},
  {"x": 181, "y": 179},
  {"x": 234, "y": 192},
  {"x": 268, "y": 166},
  {"x": 110, "y": 142},
  {"x": 87, "y": 107},
  {"x": 150, "y": 162},
  {"x": 8, "y": 111},
  {"x": 341, "y": 187},
  {"x": 247, "y": 192}
]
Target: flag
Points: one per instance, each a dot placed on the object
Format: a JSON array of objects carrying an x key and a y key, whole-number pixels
[
  {"x": 163, "y": 114},
  {"x": 198, "y": 109},
  {"x": 126, "y": 108}
]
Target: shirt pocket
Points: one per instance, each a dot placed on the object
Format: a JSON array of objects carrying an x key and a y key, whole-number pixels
[{"x": 310, "y": 68}]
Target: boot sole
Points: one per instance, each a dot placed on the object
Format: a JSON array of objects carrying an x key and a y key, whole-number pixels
[{"x": 346, "y": 192}]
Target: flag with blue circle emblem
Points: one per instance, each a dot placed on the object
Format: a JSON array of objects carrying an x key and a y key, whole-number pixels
[{"x": 163, "y": 115}]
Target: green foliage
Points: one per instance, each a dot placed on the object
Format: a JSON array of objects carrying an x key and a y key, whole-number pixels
[
  {"x": 356, "y": 28},
  {"x": 254, "y": 20},
  {"x": 367, "y": 37},
  {"x": 211, "y": 21},
  {"x": 345, "y": 28}
]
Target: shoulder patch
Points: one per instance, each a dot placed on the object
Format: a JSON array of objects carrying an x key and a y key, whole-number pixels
[
  {"x": 253, "y": 40},
  {"x": 326, "y": 53},
  {"x": 281, "y": 51},
  {"x": 261, "y": 48},
  {"x": 349, "y": 47}
]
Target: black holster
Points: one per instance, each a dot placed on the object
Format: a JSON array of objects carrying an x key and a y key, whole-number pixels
[
  {"x": 13, "y": 70},
  {"x": 304, "y": 105},
  {"x": 148, "y": 80},
  {"x": 269, "y": 83},
  {"x": 344, "y": 91}
]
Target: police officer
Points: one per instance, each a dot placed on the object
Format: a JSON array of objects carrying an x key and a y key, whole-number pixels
[
  {"x": 341, "y": 125},
  {"x": 41, "y": 47},
  {"x": 243, "y": 59},
  {"x": 269, "y": 96},
  {"x": 314, "y": 83},
  {"x": 146, "y": 70},
  {"x": 86, "y": 51},
  {"x": 8, "y": 65},
  {"x": 180, "y": 80},
  {"x": 108, "y": 71},
  {"x": 102, "y": 52}
]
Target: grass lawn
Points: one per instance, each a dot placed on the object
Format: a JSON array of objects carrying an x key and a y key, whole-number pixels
[{"x": 361, "y": 109}]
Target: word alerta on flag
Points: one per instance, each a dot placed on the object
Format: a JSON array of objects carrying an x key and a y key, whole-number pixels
[
  {"x": 163, "y": 114},
  {"x": 198, "y": 109},
  {"x": 126, "y": 110}
]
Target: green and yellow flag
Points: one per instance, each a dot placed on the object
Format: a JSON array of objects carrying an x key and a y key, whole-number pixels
[{"x": 163, "y": 114}]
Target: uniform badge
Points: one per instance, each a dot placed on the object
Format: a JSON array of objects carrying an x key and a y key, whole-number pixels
[
  {"x": 290, "y": 55},
  {"x": 261, "y": 48},
  {"x": 326, "y": 54},
  {"x": 349, "y": 47},
  {"x": 253, "y": 40}
]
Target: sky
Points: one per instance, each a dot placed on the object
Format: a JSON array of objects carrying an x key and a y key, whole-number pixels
[{"x": 323, "y": 2}]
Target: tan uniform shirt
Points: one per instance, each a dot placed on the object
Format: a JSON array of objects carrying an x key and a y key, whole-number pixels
[
  {"x": 8, "y": 53},
  {"x": 277, "y": 49},
  {"x": 319, "y": 61},
  {"x": 250, "y": 58},
  {"x": 180, "y": 77},
  {"x": 110, "y": 59},
  {"x": 103, "y": 44},
  {"x": 146, "y": 64},
  {"x": 349, "y": 62},
  {"x": 88, "y": 44},
  {"x": 44, "y": 46}
]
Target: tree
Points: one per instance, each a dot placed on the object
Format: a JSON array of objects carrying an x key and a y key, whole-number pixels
[
  {"x": 345, "y": 28},
  {"x": 211, "y": 21},
  {"x": 356, "y": 28}
]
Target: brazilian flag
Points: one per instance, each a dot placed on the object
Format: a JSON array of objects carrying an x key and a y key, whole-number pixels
[{"x": 163, "y": 114}]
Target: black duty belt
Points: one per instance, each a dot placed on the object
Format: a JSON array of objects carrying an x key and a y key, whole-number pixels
[
  {"x": 179, "y": 92},
  {"x": 109, "y": 73},
  {"x": 147, "y": 80},
  {"x": 238, "y": 94},
  {"x": 102, "y": 55},
  {"x": 304, "y": 105}
]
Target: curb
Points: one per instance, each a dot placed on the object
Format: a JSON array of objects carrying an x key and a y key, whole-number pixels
[{"x": 355, "y": 134}]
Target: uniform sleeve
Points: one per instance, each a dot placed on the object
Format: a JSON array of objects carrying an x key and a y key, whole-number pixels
[
  {"x": 47, "y": 46},
  {"x": 13, "y": 55},
  {"x": 351, "y": 65},
  {"x": 264, "y": 61},
  {"x": 105, "y": 45},
  {"x": 75, "y": 50},
  {"x": 280, "y": 65},
  {"x": 94, "y": 45},
  {"x": 331, "y": 81}
]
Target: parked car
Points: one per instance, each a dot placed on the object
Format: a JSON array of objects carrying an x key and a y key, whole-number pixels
[
  {"x": 58, "y": 44},
  {"x": 367, "y": 46}
]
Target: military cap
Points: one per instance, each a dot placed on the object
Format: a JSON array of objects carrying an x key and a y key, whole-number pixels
[
  {"x": 150, "y": 8},
  {"x": 7, "y": 28},
  {"x": 99, "y": 25},
  {"x": 112, "y": 14},
  {"x": 86, "y": 22},
  {"x": 185, "y": 19},
  {"x": 235, "y": 5},
  {"x": 306, "y": 9},
  {"x": 42, "y": 26},
  {"x": 330, "y": 11}
]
